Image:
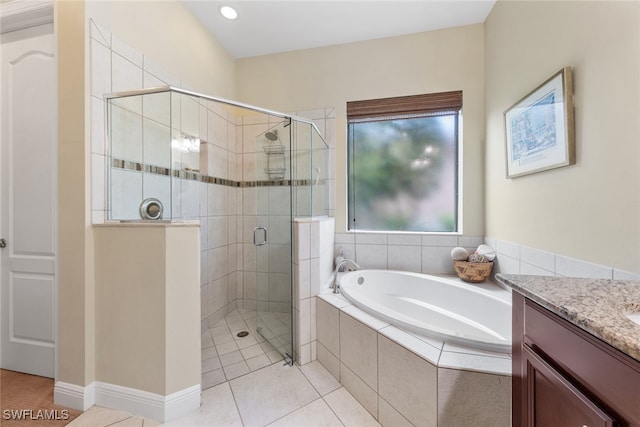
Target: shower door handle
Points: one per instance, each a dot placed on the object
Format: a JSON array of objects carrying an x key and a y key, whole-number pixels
[{"x": 255, "y": 238}]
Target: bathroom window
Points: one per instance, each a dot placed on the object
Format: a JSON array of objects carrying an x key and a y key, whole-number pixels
[{"x": 403, "y": 163}]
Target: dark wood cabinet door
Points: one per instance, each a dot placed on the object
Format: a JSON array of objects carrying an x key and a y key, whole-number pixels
[{"x": 552, "y": 401}]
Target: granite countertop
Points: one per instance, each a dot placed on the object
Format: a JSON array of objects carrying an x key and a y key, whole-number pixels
[{"x": 596, "y": 305}]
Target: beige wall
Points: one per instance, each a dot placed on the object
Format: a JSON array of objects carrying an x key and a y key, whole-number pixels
[
  {"x": 590, "y": 210},
  {"x": 75, "y": 247},
  {"x": 182, "y": 338},
  {"x": 147, "y": 306},
  {"x": 184, "y": 49},
  {"x": 428, "y": 62},
  {"x": 167, "y": 33},
  {"x": 130, "y": 301}
]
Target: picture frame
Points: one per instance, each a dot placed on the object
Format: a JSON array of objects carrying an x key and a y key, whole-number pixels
[{"x": 540, "y": 129}]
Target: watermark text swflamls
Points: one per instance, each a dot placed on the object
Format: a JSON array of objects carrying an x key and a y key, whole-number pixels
[{"x": 35, "y": 414}]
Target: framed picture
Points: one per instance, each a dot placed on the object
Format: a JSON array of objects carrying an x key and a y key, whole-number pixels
[{"x": 540, "y": 128}]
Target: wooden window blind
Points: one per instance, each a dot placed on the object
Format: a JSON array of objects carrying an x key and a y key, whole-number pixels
[{"x": 404, "y": 106}]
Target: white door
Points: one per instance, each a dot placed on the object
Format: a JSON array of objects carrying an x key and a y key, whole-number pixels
[{"x": 28, "y": 211}]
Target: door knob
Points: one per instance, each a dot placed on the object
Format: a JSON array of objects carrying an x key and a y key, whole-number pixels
[{"x": 3, "y": 243}]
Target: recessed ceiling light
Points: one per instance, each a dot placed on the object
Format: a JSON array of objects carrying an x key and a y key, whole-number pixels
[{"x": 228, "y": 12}]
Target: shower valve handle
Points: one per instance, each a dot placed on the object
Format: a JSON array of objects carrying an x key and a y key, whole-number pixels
[{"x": 3, "y": 243}]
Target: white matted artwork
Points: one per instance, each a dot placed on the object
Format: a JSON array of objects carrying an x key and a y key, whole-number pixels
[{"x": 540, "y": 128}]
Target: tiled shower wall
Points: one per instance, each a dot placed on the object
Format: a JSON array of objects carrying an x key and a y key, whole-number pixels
[
  {"x": 312, "y": 266},
  {"x": 117, "y": 67},
  {"x": 114, "y": 67},
  {"x": 221, "y": 264},
  {"x": 270, "y": 207},
  {"x": 230, "y": 263},
  {"x": 267, "y": 207}
]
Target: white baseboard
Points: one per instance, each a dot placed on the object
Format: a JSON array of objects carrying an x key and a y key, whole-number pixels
[
  {"x": 182, "y": 403},
  {"x": 137, "y": 402},
  {"x": 74, "y": 396}
]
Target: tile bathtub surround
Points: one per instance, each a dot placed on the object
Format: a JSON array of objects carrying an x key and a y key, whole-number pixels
[
  {"x": 408, "y": 384},
  {"x": 431, "y": 254},
  {"x": 407, "y": 379},
  {"x": 478, "y": 391},
  {"x": 419, "y": 253}
]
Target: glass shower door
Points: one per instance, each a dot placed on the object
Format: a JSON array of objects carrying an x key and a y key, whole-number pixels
[{"x": 273, "y": 237}]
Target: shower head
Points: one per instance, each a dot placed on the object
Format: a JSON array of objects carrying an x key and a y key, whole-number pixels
[{"x": 272, "y": 136}]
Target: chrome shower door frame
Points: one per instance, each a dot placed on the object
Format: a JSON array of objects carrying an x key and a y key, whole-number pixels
[{"x": 274, "y": 253}]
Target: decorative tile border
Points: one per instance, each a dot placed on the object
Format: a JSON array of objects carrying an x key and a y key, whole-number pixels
[{"x": 193, "y": 175}]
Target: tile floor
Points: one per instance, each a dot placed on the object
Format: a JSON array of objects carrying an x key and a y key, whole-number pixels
[
  {"x": 246, "y": 383},
  {"x": 226, "y": 356}
]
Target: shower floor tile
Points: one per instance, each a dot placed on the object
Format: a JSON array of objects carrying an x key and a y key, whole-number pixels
[
  {"x": 231, "y": 358},
  {"x": 211, "y": 364},
  {"x": 245, "y": 353},
  {"x": 258, "y": 362},
  {"x": 236, "y": 370}
]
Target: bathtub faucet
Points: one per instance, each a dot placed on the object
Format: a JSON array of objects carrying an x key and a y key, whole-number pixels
[{"x": 345, "y": 261}]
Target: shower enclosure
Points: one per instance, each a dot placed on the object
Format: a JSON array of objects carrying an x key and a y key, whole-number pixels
[{"x": 244, "y": 172}]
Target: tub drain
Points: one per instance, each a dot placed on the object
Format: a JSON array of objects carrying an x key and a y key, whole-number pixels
[{"x": 242, "y": 334}]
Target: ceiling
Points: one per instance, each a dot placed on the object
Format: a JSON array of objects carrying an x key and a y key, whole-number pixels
[{"x": 266, "y": 27}]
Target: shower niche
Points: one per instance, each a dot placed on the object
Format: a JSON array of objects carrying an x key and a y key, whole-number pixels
[{"x": 245, "y": 173}]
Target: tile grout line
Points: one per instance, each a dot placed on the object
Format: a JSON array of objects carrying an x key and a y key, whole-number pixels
[
  {"x": 239, "y": 350},
  {"x": 235, "y": 402},
  {"x": 119, "y": 421},
  {"x": 331, "y": 407}
]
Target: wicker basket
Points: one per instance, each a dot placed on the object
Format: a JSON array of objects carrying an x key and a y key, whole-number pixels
[{"x": 473, "y": 271}]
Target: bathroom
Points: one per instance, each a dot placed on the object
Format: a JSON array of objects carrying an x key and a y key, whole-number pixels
[{"x": 580, "y": 220}]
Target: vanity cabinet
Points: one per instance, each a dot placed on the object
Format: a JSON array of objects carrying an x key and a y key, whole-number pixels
[{"x": 564, "y": 376}]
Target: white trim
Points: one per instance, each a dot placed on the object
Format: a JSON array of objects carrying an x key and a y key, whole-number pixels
[
  {"x": 19, "y": 14},
  {"x": 74, "y": 396},
  {"x": 134, "y": 401},
  {"x": 182, "y": 402}
]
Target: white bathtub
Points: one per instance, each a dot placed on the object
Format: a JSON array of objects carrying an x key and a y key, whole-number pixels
[{"x": 472, "y": 315}]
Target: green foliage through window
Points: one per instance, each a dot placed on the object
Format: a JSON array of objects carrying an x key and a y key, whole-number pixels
[{"x": 403, "y": 173}]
